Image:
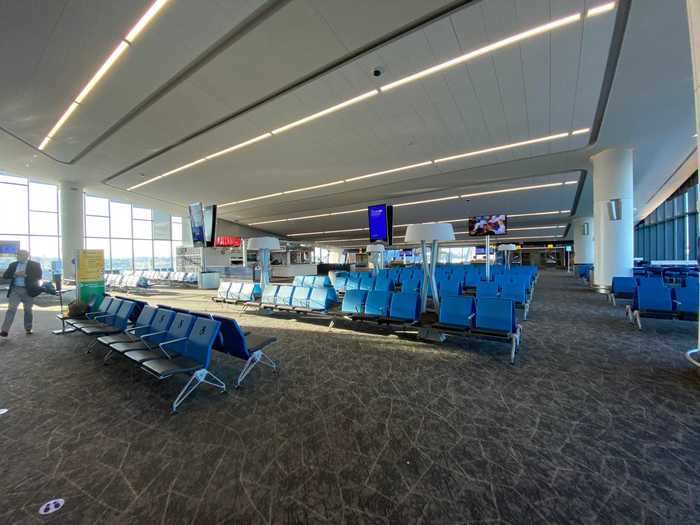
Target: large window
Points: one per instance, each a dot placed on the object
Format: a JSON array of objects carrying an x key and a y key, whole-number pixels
[
  {"x": 132, "y": 237},
  {"x": 30, "y": 216}
]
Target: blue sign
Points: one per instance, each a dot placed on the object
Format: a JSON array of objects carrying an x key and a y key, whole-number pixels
[
  {"x": 9, "y": 248},
  {"x": 378, "y": 224},
  {"x": 56, "y": 267}
]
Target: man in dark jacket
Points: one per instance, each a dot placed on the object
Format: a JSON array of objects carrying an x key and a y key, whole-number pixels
[{"x": 24, "y": 276}]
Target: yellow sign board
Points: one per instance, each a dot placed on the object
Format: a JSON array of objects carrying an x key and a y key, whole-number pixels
[
  {"x": 550, "y": 246},
  {"x": 91, "y": 265}
]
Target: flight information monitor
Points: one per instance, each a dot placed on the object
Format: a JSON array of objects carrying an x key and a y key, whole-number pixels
[
  {"x": 197, "y": 223},
  {"x": 380, "y": 219},
  {"x": 487, "y": 225}
]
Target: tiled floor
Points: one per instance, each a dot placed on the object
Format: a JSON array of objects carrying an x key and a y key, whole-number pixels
[{"x": 596, "y": 423}]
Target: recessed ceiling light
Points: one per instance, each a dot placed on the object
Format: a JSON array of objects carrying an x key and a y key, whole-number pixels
[
  {"x": 504, "y": 147},
  {"x": 599, "y": 10},
  {"x": 326, "y": 111},
  {"x": 484, "y": 50},
  {"x": 113, "y": 57}
]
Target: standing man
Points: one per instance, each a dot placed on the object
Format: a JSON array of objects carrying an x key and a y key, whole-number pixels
[{"x": 24, "y": 278}]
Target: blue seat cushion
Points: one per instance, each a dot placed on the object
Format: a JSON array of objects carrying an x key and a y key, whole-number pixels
[
  {"x": 377, "y": 303},
  {"x": 495, "y": 315},
  {"x": 455, "y": 311},
  {"x": 354, "y": 302},
  {"x": 405, "y": 306}
]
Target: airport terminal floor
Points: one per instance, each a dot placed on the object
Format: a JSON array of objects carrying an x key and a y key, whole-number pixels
[{"x": 596, "y": 423}]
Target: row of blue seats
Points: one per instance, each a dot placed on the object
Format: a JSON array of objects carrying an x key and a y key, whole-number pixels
[
  {"x": 664, "y": 302},
  {"x": 237, "y": 291},
  {"x": 165, "y": 342},
  {"x": 624, "y": 287},
  {"x": 312, "y": 281},
  {"x": 491, "y": 316},
  {"x": 288, "y": 297}
]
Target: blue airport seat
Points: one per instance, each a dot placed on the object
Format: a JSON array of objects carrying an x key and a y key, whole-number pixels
[
  {"x": 194, "y": 357},
  {"x": 456, "y": 312},
  {"x": 178, "y": 329},
  {"x": 405, "y": 306},
  {"x": 322, "y": 281},
  {"x": 340, "y": 282},
  {"x": 485, "y": 289},
  {"x": 686, "y": 300},
  {"x": 112, "y": 324},
  {"x": 377, "y": 304},
  {"x": 647, "y": 282},
  {"x": 353, "y": 282},
  {"x": 141, "y": 326},
  {"x": 650, "y": 300},
  {"x": 354, "y": 302},
  {"x": 517, "y": 292},
  {"x": 158, "y": 328},
  {"x": 234, "y": 291},
  {"x": 367, "y": 282},
  {"x": 298, "y": 280},
  {"x": 249, "y": 292},
  {"x": 622, "y": 288},
  {"x": 248, "y": 347},
  {"x": 411, "y": 282},
  {"x": 269, "y": 294},
  {"x": 322, "y": 299},
  {"x": 284, "y": 296},
  {"x": 308, "y": 280},
  {"x": 107, "y": 309},
  {"x": 449, "y": 288},
  {"x": 300, "y": 296},
  {"x": 222, "y": 292},
  {"x": 383, "y": 283},
  {"x": 496, "y": 316}
]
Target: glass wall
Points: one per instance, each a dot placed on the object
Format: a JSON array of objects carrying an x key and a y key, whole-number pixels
[
  {"x": 30, "y": 216},
  {"x": 131, "y": 237},
  {"x": 670, "y": 232}
]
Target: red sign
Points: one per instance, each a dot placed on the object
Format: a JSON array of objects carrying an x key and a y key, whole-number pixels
[{"x": 226, "y": 241}]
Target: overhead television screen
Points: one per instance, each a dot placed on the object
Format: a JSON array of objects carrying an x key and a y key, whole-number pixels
[
  {"x": 197, "y": 223},
  {"x": 380, "y": 223},
  {"x": 487, "y": 225},
  {"x": 210, "y": 225}
]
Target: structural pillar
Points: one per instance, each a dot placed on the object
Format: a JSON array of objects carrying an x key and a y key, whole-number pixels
[
  {"x": 613, "y": 216},
  {"x": 583, "y": 240},
  {"x": 693, "y": 9},
  {"x": 72, "y": 233}
]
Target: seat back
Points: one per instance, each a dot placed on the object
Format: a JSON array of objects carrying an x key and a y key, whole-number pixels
[
  {"x": 354, "y": 302},
  {"x": 378, "y": 303},
  {"x": 654, "y": 298},
  {"x": 180, "y": 327},
  {"x": 405, "y": 306},
  {"x": 114, "y": 307},
  {"x": 495, "y": 315},
  {"x": 104, "y": 304},
  {"x": 162, "y": 320},
  {"x": 486, "y": 289},
  {"x": 298, "y": 280},
  {"x": 367, "y": 282},
  {"x": 249, "y": 291},
  {"x": 455, "y": 311},
  {"x": 323, "y": 281},
  {"x": 222, "y": 292},
  {"x": 340, "y": 282},
  {"x": 284, "y": 295},
  {"x": 686, "y": 299},
  {"x": 231, "y": 339},
  {"x": 515, "y": 291},
  {"x": 353, "y": 282},
  {"x": 383, "y": 283},
  {"x": 322, "y": 298},
  {"x": 269, "y": 294},
  {"x": 411, "y": 282},
  {"x": 647, "y": 282},
  {"x": 300, "y": 296},
  {"x": 623, "y": 285},
  {"x": 200, "y": 340},
  {"x": 308, "y": 280},
  {"x": 449, "y": 288},
  {"x": 234, "y": 291},
  {"x": 146, "y": 316},
  {"x": 121, "y": 319}
]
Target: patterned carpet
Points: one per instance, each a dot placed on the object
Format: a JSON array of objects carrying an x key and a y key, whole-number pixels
[{"x": 596, "y": 423}]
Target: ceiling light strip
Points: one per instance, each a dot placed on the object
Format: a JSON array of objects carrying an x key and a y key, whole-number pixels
[
  {"x": 106, "y": 66},
  {"x": 545, "y": 28},
  {"x": 599, "y": 10},
  {"x": 504, "y": 147}
]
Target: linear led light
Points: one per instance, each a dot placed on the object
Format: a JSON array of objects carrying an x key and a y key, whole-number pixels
[
  {"x": 326, "y": 111},
  {"x": 568, "y": 182},
  {"x": 580, "y": 131},
  {"x": 600, "y": 9},
  {"x": 486, "y": 49},
  {"x": 168, "y": 173},
  {"x": 113, "y": 57},
  {"x": 533, "y": 214},
  {"x": 426, "y": 201},
  {"x": 387, "y": 172},
  {"x": 309, "y": 188},
  {"x": 537, "y": 227},
  {"x": 503, "y": 147},
  {"x": 364, "y": 210},
  {"x": 239, "y": 146},
  {"x": 144, "y": 20},
  {"x": 509, "y": 190},
  {"x": 327, "y": 232}
]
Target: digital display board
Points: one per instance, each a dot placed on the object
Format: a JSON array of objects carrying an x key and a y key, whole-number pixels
[
  {"x": 197, "y": 223},
  {"x": 487, "y": 225},
  {"x": 380, "y": 220}
]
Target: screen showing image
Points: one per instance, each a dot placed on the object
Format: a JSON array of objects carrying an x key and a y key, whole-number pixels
[
  {"x": 197, "y": 222},
  {"x": 378, "y": 223},
  {"x": 487, "y": 225},
  {"x": 209, "y": 225}
]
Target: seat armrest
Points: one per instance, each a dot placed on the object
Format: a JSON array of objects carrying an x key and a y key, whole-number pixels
[
  {"x": 166, "y": 343},
  {"x": 147, "y": 336},
  {"x": 471, "y": 316}
]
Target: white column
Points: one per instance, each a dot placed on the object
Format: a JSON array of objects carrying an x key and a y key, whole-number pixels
[
  {"x": 613, "y": 239},
  {"x": 583, "y": 240},
  {"x": 71, "y": 225}
]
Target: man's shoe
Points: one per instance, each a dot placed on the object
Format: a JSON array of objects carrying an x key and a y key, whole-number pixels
[
  {"x": 29, "y": 332},
  {"x": 3, "y": 334}
]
